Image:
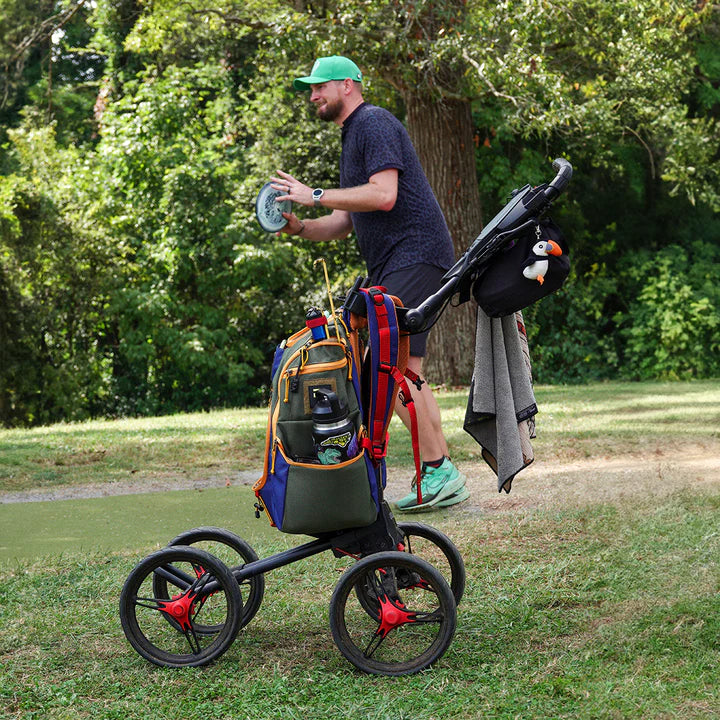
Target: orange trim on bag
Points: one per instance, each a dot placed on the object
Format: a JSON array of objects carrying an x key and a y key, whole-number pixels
[
  {"x": 319, "y": 466},
  {"x": 261, "y": 481}
]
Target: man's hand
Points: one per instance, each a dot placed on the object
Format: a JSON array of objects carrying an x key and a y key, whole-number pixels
[
  {"x": 379, "y": 193},
  {"x": 294, "y": 190},
  {"x": 294, "y": 225}
]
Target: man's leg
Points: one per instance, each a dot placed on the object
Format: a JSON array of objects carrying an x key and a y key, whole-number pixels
[
  {"x": 433, "y": 446},
  {"x": 441, "y": 483}
]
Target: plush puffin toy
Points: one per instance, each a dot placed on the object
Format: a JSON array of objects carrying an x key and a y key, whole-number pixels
[{"x": 536, "y": 265}]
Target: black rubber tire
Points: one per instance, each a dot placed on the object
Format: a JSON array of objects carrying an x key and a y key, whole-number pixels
[
  {"x": 414, "y": 604},
  {"x": 252, "y": 589},
  {"x": 435, "y": 547},
  {"x": 452, "y": 567},
  {"x": 144, "y": 621}
]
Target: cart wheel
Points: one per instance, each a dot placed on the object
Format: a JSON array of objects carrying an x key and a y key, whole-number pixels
[
  {"x": 438, "y": 549},
  {"x": 226, "y": 546},
  {"x": 201, "y": 592},
  {"x": 433, "y": 546},
  {"x": 414, "y": 619}
]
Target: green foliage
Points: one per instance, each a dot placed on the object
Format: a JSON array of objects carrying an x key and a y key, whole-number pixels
[
  {"x": 601, "y": 75},
  {"x": 48, "y": 68},
  {"x": 134, "y": 278},
  {"x": 675, "y": 328},
  {"x": 190, "y": 329},
  {"x": 620, "y": 222},
  {"x": 57, "y": 267},
  {"x": 654, "y": 314}
]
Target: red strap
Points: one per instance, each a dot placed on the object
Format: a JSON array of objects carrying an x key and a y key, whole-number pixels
[
  {"x": 414, "y": 378},
  {"x": 383, "y": 330},
  {"x": 378, "y": 428},
  {"x": 410, "y": 405},
  {"x": 377, "y": 450}
]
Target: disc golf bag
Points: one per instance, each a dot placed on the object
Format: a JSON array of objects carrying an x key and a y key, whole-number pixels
[{"x": 298, "y": 494}]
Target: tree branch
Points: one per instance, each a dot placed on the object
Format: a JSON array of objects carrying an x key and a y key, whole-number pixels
[
  {"x": 647, "y": 149},
  {"x": 485, "y": 79},
  {"x": 42, "y": 32},
  {"x": 45, "y": 30}
]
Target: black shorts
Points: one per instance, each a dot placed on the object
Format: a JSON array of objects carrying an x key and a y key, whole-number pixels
[{"x": 413, "y": 285}]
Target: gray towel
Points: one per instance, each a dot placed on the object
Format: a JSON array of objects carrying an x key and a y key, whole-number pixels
[{"x": 501, "y": 408}]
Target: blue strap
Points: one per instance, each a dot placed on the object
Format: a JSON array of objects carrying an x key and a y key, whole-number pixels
[{"x": 384, "y": 342}]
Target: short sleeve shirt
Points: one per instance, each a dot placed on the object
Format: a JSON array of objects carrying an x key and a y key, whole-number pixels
[{"x": 414, "y": 231}]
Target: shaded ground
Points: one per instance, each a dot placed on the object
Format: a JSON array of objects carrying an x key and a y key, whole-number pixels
[{"x": 602, "y": 479}]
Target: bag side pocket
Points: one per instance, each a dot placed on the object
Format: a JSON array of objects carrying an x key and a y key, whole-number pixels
[{"x": 324, "y": 498}]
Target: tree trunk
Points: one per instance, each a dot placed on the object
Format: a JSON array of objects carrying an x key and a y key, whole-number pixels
[{"x": 442, "y": 132}]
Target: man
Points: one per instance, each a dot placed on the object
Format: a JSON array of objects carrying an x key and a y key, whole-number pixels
[{"x": 386, "y": 198}]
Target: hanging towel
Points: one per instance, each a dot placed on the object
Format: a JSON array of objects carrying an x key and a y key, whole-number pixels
[{"x": 501, "y": 408}]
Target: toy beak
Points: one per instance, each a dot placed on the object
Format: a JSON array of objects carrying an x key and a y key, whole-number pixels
[{"x": 553, "y": 248}]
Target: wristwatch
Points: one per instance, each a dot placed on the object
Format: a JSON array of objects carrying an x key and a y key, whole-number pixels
[{"x": 317, "y": 194}]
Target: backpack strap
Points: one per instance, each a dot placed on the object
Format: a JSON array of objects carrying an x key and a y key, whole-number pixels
[
  {"x": 388, "y": 351},
  {"x": 407, "y": 400}
]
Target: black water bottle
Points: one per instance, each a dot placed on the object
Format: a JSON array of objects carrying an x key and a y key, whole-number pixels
[{"x": 334, "y": 433}]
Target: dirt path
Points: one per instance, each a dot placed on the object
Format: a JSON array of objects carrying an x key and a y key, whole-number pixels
[
  {"x": 546, "y": 484},
  {"x": 543, "y": 484}
]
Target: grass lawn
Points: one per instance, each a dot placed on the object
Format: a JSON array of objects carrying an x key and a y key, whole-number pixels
[
  {"x": 573, "y": 422},
  {"x": 607, "y": 608}
]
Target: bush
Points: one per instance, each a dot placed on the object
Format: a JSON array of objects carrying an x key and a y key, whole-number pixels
[{"x": 672, "y": 327}]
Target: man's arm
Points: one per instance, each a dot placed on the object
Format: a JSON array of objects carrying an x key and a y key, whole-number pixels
[
  {"x": 379, "y": 193},
  {"x": 335, "y": 226}
]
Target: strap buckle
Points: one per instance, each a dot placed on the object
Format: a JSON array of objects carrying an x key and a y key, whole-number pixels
[
  {"x": 376, "y": 449},
  {"x": 414, "y": 378},
  {"x": 377, "y": 295}
]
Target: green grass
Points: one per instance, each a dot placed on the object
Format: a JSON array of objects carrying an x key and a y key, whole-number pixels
[
  {"x": 609, "y": 612},
  {"x": 608, "y": 609},
  {"x": 202, "y": 444},
  {"x": 573, "y": 421}
]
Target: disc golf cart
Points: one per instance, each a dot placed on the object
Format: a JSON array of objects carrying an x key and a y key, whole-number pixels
[{"x": 393, "y": 611}]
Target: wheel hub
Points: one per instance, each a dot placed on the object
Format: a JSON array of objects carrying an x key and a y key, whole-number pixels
[
  {"x": 392, "y": 616},
  {"x": 180, "y": 608}
]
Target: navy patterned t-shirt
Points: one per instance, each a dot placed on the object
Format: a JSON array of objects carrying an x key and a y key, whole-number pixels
[{"x": 414, "y": 231}]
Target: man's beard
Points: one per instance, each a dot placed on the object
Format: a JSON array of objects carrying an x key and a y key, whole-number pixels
[{"x": 330, "y": 111}]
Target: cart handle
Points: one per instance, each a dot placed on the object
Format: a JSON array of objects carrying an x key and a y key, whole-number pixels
[
  {"x": 520, "y": 213},
  {"x": 564, "y": 172}
]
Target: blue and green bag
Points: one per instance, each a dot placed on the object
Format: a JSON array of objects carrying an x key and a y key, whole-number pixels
[{"x": 298, "y": 494}]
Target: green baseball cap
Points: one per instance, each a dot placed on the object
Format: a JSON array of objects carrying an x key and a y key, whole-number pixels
[{"x": 335, "y": 67}]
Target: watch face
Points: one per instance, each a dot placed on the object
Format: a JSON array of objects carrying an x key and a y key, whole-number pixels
[
  {"x": 318, "y": 193},
  {"x": 268, "y": 212}
]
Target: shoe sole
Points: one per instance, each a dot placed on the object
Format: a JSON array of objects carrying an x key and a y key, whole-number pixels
[
  {"x": 448, "y": 490},
  {"x": 458, "y": 497}
]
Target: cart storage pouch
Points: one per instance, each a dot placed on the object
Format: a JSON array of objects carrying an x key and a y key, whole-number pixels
[
  {"x": 310, "y": 499},
  {"x": 503, "y": 289}
]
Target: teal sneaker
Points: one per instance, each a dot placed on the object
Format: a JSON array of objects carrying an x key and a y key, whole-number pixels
[
  {"x": 437, "y": 484},
  {"x": 460, "y": 496}
]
